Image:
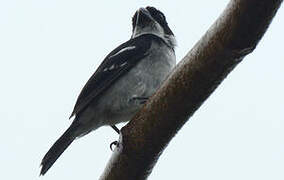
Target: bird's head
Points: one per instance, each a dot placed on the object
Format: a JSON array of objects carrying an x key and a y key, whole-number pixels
[{"x": 150, "y": 20}]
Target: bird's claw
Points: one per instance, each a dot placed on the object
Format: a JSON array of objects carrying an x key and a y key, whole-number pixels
[
  {"x": 113, "y": 143},
  {"x": 140, "y": 100}
]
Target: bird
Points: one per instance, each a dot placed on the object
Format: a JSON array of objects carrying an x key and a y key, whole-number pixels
[{"x": 123, "y": 82}]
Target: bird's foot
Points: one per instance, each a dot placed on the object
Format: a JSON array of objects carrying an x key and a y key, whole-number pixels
[
  {"x": 113, "y": 143},
  {"x": 116, "y": 129},
  {"x": 140, "y": 100}
]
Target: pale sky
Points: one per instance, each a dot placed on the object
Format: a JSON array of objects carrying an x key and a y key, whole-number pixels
[{"x": 49, "y": 49}]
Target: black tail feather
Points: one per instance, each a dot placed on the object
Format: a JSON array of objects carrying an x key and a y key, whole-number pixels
[{"x": 57, "y": 149}]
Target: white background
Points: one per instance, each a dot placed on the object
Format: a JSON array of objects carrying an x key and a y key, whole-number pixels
[{"x": 49, "y": 49}]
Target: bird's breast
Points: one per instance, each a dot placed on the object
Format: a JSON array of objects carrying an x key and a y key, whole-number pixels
[{"x": 141, "y": 81}]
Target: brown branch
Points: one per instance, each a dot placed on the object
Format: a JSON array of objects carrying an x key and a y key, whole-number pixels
[{"x": 234, "y": 35}]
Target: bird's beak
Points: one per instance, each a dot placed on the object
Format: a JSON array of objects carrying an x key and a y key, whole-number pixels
[
  {"x": 144, "y": 16},
  {"x": 143, "y": 19}
]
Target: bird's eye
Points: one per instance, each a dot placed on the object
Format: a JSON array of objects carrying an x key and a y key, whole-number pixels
[{"x": 162, "y": 16}]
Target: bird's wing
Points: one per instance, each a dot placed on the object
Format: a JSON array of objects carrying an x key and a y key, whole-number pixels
[{"x": 118, "y": 62}]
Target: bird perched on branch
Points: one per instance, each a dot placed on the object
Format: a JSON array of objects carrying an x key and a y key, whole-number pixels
[{"x": 123, "y": 82}]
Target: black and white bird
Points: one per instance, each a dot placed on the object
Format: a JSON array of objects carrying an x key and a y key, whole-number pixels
[{"x": 123, "y": 82}]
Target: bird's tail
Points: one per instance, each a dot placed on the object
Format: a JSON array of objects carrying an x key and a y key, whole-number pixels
[{"x": 58, "y": 148}]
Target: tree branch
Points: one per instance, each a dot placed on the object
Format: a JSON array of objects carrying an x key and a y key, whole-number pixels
[{"x": 234, "y": 35}]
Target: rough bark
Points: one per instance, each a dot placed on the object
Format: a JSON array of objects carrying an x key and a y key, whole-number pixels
[{"x": 234, "y": 35}]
